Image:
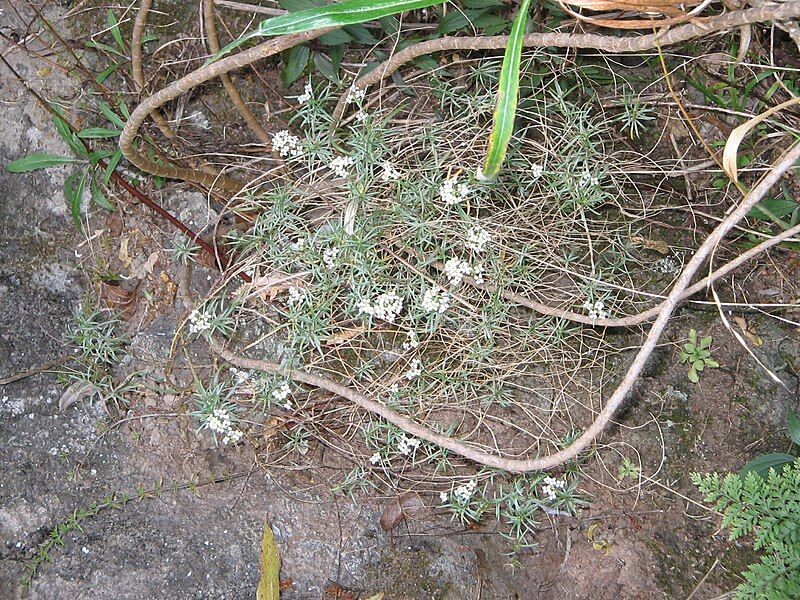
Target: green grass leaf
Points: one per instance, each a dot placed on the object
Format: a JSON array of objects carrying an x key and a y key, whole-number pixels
[
  {"x": 74, "y": 186},
  {"x": 113, "y": 25},
  {"x": 505, "y": 110},
  {"x": 762, "y": 464},
  {"x": 296, "y": 61},
  {"x": 99, "y": 198},
  {"x": 96, "y": 133},
  {"x": 39, "y": 160}
]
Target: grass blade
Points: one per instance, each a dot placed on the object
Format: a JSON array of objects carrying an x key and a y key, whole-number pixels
[
  {"x": 38, "y": 160},
  {"x": 505, "y": 109}
]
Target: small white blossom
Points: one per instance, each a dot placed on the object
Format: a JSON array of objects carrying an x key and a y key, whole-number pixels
[
  {"x": 307, "y": 94},
  {"x": 234, "y": 436},
  {"x": 297, "y": 296},
  {"x": 240, "y": 377},
  {"x": 536, "y": 171},
  {"x": 412, "y": 341},
  {"x": 340, "y": 164},
  {"x": 297, "y": 245},
  {"x": 551, "y": 486},
  {"x": 329, "y": 256},
  {"x": 362, "y": 116},
  {"x": 220, "y": 422},
  {"x": 375, "y": 458},
  {"x": 287, "y": 144},
  {"x": 463, "y": 493},
  {"x": 407, "y": 445},
  {"x": 414, "y": 369},
  {"x": 596, "y": 310},
  {"x": 477, "y": 238},
  {"x": 444, "y": 496},
  {"x": 386, "y": 306},
  {"x": 455, "y": 269},
  {"x": 389, "y": 172},
  {"x": 453, "y": 192},
  {"x": 356, "y": 95},
  {"x": 588, "y": 180},
  {"x": 199, "y": 322},
  {"x": 435, "y": 300},
  {"x": 282, "y": 392},
  {"x": 477, "y": 274}
]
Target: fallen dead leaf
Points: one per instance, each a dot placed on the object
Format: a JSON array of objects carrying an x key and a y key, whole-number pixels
[
  {"x": 123, "y": 255},
  {"x": 405, "y": 506},
  {"x": 269, "y": 286},
  {"x": 113, "y": 295},
  {"x": 657, "y": 245},
  {"x": 344, "y": 335},
  {"x": 748, "y": 330},
  {"x": 75, "y": 393}
]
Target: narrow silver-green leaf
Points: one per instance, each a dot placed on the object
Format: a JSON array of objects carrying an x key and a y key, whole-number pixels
[
  {"x": 349, "y": 12},
  {"x": 38, "y": 160},
  {"x": 505, "y": 109}
]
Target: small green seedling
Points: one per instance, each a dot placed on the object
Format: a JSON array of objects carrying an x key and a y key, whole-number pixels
[
  {"x": 628, "y": 470},
  {"x": 698, "y": 355}
]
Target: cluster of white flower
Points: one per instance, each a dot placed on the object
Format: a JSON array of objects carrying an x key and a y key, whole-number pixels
[
  {"x": 412, "y": 341},
  {"x": 597, "y": 310},
  {"x": 462, "y": 494},
  {"x": 297, "y": 295},
  {"x": 240, "y": 377},
  {"x": 414, "y": 369},
  {"x": 375, "y": 458},
  {"x": 307, "y": 94},
  {"x": 435, "y": 300},
  {"x": 667, "y": 265},
  {"x": 362, "y": 116},
  {"x": 453, "y": 192},
  {"x": 407, "y": 445},
  {"x": 536, "y": 171},
  {"x": 455, "y": 269},
  {"x": 199, "y": 321},
  {"x": 340, "y": 165},
  {"x": 220, "y": 422},
  {"x": 356, "y": 95},
  {"x": 477, "y": 238},
  {"x": 477, "y": 274},
  {"x": 386, "y": 306},
  {"x": 588, "y": 180},
  {"x": 297, "y": 245},
  {"x": 287, "y": 144},
  {"x": 389, "y": 172},
  {"x": 551, "y": 486},
  {"x": 281, "y": 393},
  {"x": 329, "y": 256}
]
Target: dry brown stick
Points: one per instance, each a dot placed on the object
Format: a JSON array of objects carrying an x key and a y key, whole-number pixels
[
  {"x": 697, "y": 28},
  {"x": 210, "y": 22},
  {"x": 137, "y": 71},
  {"x": 36, "y": 370},
  {"x": 184, "y": 84},
  {"x": 648, "y": 314},
  {"x": 604, "y": 418}
]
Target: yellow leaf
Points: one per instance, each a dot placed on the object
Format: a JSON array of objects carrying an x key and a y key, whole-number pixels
[
  {"x": 738, "y": 134},
  {"x": 269, "y": 584},
  {"x": 378, "y": 596}
]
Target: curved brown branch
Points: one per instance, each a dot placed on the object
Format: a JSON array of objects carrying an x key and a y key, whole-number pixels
[
  {"x": 604, "y": 418},
  {"x": 210, "y": 23},
  {"x": 137, "y": 71},
  {"x": 186, "y": 83},
  {"x": 697, "y": 28}
]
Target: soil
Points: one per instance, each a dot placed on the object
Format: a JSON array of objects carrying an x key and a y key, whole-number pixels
[{"x": 645, "y": 538}]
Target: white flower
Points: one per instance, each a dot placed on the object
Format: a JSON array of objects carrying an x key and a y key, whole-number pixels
[
  {"x": 597, "y": 310},
  {"x": 297, "y": 296},
  {"x": 463, "y": 493},
  {"x": 287, "y": 144},
  {"x": 307, "y": 94},
  {"x": 453, "y": 192},
  {"x": 340, "y": 164},
  {"x": 329, "y": 256},
  {"x": 386, "y": 306},
  {"x": 389, "y": 172},
  {"x": 356, "y": 95},
  {"x": 414, "y": 369},
  {"x": 375, "y": 458},
  {"x": 234, "y": 436},
  {"x": 219, "y": 421},
  {"x": 551, "y": 486},
  {"x": 240, "y": 377},
  {"x": 477, "y": 238},
  {"x": 362, "y": 116},
  {"x": 435, "y": 300},
  {"x": 536, "y": 171},
  {"x": 298, "y": 244},
  {"x": 407, "y": 445},
  {"x": 455, "y": 269},
  {"x": 477, "y": 274},
  {"x": 282, "y": 392},
  {"x": 443, "y": 496},
  {"x": 588, "y": 180},
  {"x": 412, "y": 341},
  {"x": 199, "y": 322}
]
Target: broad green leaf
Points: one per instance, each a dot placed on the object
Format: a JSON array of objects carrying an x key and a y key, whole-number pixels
[
  {"x": 106, "y": 47},
  {"x": 99, "y": 198},
  {"x": 114, "y": 27},
  {"x": 348, "y": 12},
  {"x": 66, "y": 134},
  {"x": 762, "y": 464},
  {"x": 335, "y": 37},
  {"x": 112, "y": 164},
  {"x": 794, "y": 427},
  {"x": 109, "y": 114},
  {"x": 773, "y": 208},
  {"x": 296, "y": 62},
  {"x": 74, "y": 186},
  {"x": 38, "y": 160},
  {"x": 361, "y": 34},
  {"x": 325, "y": 66},
  {"x": 269, "y": 583},
  {"x": 505, "y": 109},
  {"x": 693, "y": 376},
  {"x": 94, "y": 133}
]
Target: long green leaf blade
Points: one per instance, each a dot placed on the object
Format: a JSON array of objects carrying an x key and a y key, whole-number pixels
[
  {"x": 340, "y": 14},
  {"x": 38, "y": 160},
  {"x": 505, "y": 109}
]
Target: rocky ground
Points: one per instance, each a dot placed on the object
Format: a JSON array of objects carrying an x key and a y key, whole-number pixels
[{"x": 195, "y": 530}]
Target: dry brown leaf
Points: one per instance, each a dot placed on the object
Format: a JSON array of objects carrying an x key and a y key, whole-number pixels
[
  {"x": 113, "y": 295},
  {"x": 344, "y": 335},
  {"x": 151, "y": 262},
  {"x": 659, "y": 246},
  {"x": 76, "y": 392},
  {"x": 123, "y": 255},
  {"x": 269, "y": 286},
  {"x": 336, "y": 592},
  {"x": 748, "y": 330},
  {"x": 405, "y": 506}
]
